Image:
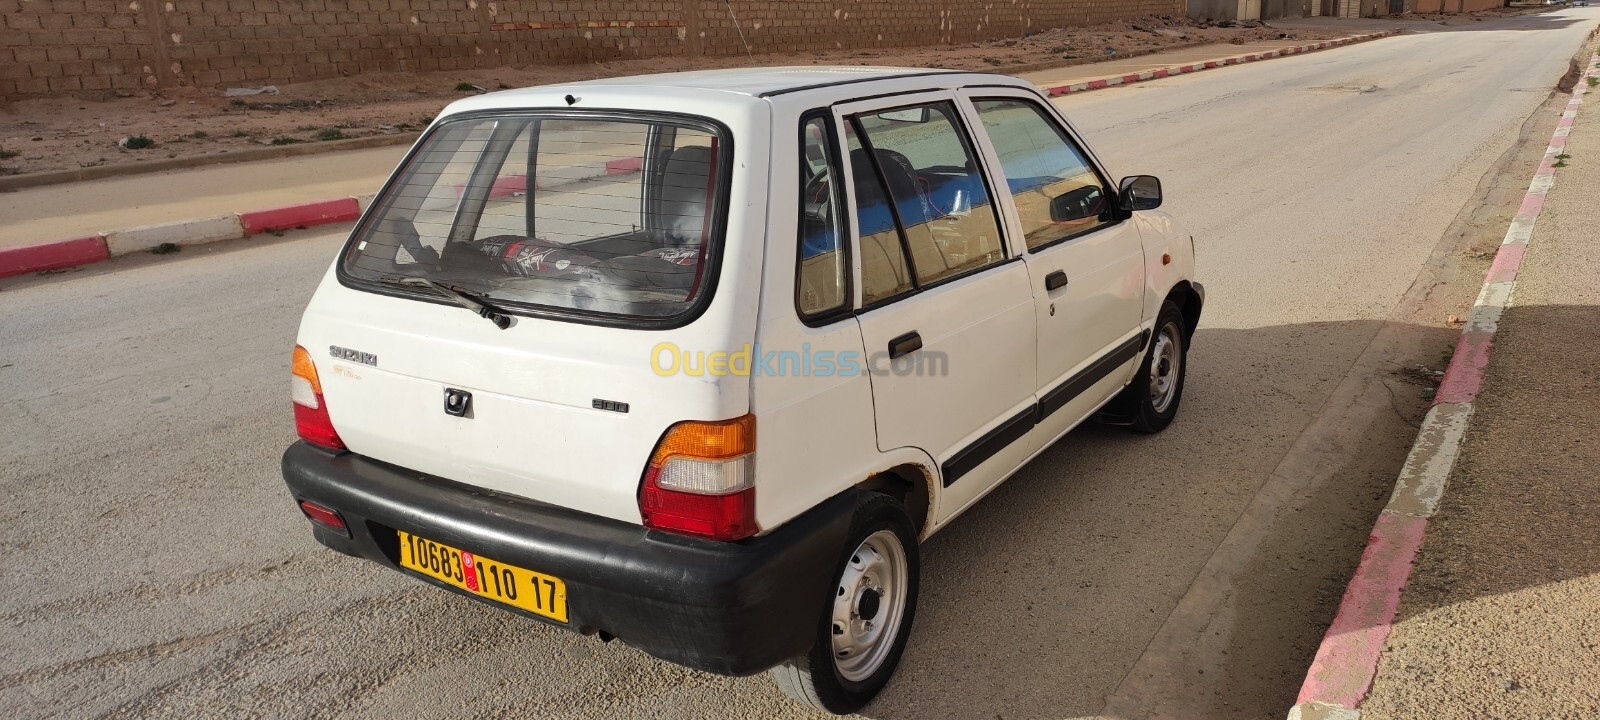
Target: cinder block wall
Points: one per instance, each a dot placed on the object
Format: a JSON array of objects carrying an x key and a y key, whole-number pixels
[
  {"x": 1455, "y": 6},
  {"x": 89, "y": 47}
]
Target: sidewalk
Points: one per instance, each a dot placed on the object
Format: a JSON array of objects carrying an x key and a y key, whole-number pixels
[
  {"x": 59, "y": 212},
  {"x": 1501, "y": 617},
  {"x": 98, "y": 207}
]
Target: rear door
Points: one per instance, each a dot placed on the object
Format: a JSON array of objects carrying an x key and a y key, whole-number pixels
[
  {"x": 945, "y": 315},
  {"x": 1085, "y": 260}
]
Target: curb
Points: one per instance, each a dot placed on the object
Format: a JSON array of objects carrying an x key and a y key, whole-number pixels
[
  {"x": 52, "y": 256},
  {"x": 1131, "y": 78},
  {"x": 316, "y": 213},
  {"x": 94, "y": 248},
  {"x": 112, "y": 243},
  {"x": 1346, "y": 662}
]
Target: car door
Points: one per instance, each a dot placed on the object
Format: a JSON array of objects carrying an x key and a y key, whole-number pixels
[
  {"x": 944, "y": 308},
  {"x": 1085, "y": 260}
]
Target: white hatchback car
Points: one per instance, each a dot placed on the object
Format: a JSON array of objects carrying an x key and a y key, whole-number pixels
[{"x": 734, "y": 343}]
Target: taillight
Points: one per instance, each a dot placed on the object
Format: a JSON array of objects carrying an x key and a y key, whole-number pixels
[
  {"x": 701, "y": 481},
  {"x": 310, "y": 410}
]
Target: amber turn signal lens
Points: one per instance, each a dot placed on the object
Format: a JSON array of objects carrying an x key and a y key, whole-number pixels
[
  {"x": 707, "y": 440},
  {"x": 302, "y": 368}
]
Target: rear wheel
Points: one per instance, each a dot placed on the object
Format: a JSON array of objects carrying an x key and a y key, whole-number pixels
[{"x": 862, "y": 631}]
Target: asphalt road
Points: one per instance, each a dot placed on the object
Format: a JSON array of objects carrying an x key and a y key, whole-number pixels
[{"x": 154, "y": 565}]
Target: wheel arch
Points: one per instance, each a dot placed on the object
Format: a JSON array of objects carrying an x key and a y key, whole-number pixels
[
  {"x": 911, "y": 484},
  {"x": 1189, "y": 301}
]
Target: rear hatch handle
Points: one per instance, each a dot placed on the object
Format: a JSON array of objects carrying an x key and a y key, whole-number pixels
[{"x": 470, "y": 301}]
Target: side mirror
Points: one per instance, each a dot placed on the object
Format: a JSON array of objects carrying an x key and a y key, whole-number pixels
[
  {"x": 1078, "y": 204},
  {"x": 908, "y": 115},
  {"x": 1140, "y": 192}
]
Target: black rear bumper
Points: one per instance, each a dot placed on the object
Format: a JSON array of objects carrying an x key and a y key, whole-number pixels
[{"x": 728, "y": 608}]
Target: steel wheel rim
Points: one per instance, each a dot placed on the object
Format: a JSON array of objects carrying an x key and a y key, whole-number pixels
[
  {"x": 869, "y": 602},
  {"x": 1166, "y": 363}
]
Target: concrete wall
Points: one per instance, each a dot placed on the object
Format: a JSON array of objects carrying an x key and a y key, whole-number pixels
[
  {"x": 1250, "y": 9},
  {"x": 1452, "y": 6},
  {"x": 87, "y": 47},
  {"x": 1274, "y": 9},
  {"x": 1215, "y": 9}
]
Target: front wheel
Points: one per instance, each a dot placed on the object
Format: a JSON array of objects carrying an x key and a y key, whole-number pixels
[
  {"x": 1151, "y": 401},
  {"x": 862, "y": 631}
]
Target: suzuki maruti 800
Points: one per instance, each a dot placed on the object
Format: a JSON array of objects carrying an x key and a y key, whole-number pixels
[{"x": 695, "y": 361}]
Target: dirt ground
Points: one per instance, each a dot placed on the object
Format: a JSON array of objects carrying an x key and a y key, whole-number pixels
[
  {"x": 1458, "y": 19},
  {"x": 67, "y": 133}
]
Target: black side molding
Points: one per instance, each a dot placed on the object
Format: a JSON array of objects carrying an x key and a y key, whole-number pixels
[
  {"x": 985, "y": 447},
  {"x": 1072, "y": 387},
  {"x": 1018, "y": 425}
]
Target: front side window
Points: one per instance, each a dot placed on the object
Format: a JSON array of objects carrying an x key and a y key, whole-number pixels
[
  {"x": 939, "y": 197},
  {"x": 611, "y": 216},
  {"x": 1057, "y": 192}
]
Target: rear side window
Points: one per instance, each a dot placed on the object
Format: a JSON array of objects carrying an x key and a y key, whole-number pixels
[
  {"x": 822, "y": 285},
  {"x": 883, "y": 259},
  {"x": 595, "y": 215},
  {"x": 913, "y": 168}
]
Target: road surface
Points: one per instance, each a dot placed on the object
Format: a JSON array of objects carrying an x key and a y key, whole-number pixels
[{"x": 155, "y": 566}]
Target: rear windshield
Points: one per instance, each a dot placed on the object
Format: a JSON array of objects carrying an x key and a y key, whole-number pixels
[{"x": 591, "y": 215}]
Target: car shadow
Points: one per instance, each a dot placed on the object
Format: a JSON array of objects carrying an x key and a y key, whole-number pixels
[{"x": 1050, "y": 596}]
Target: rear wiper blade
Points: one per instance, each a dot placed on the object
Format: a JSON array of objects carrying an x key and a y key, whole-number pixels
[{"x": 471, "y": 301}]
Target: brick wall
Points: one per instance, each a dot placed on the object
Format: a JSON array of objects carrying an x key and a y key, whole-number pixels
[
  {"x": 90, "y": 47},
  {"x": 1453, "y": 6}
]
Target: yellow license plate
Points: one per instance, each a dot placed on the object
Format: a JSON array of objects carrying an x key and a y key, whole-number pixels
[{"x": 535, "y": 592}]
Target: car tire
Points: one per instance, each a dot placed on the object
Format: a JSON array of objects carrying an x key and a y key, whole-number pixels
[
  {"x": 1150, "y": 402},
  {"x": 866, "y": 620}
]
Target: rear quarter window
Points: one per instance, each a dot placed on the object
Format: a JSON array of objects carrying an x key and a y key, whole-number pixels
[{"x": 579, "y": 216}]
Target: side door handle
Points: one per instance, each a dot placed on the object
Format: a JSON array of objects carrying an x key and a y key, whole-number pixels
[
  {"x": 905, "y": 345},
  {"x": 1055, "y": 280}
]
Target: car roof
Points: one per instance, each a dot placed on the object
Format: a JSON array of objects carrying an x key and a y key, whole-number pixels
[
  {"x": 734, "y": 90},
  {"x": 752, "y": 82},
  {"x": 764, "y": 81}
]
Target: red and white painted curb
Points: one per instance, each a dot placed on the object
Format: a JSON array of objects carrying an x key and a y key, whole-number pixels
[
  {"x": 1131, "y": 78},
  {"x": 1347, "y": 661},
  {"x": 94, "y": 248}
]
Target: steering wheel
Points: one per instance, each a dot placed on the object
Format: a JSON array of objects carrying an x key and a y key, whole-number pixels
[{"x": 816, "y": 185}]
